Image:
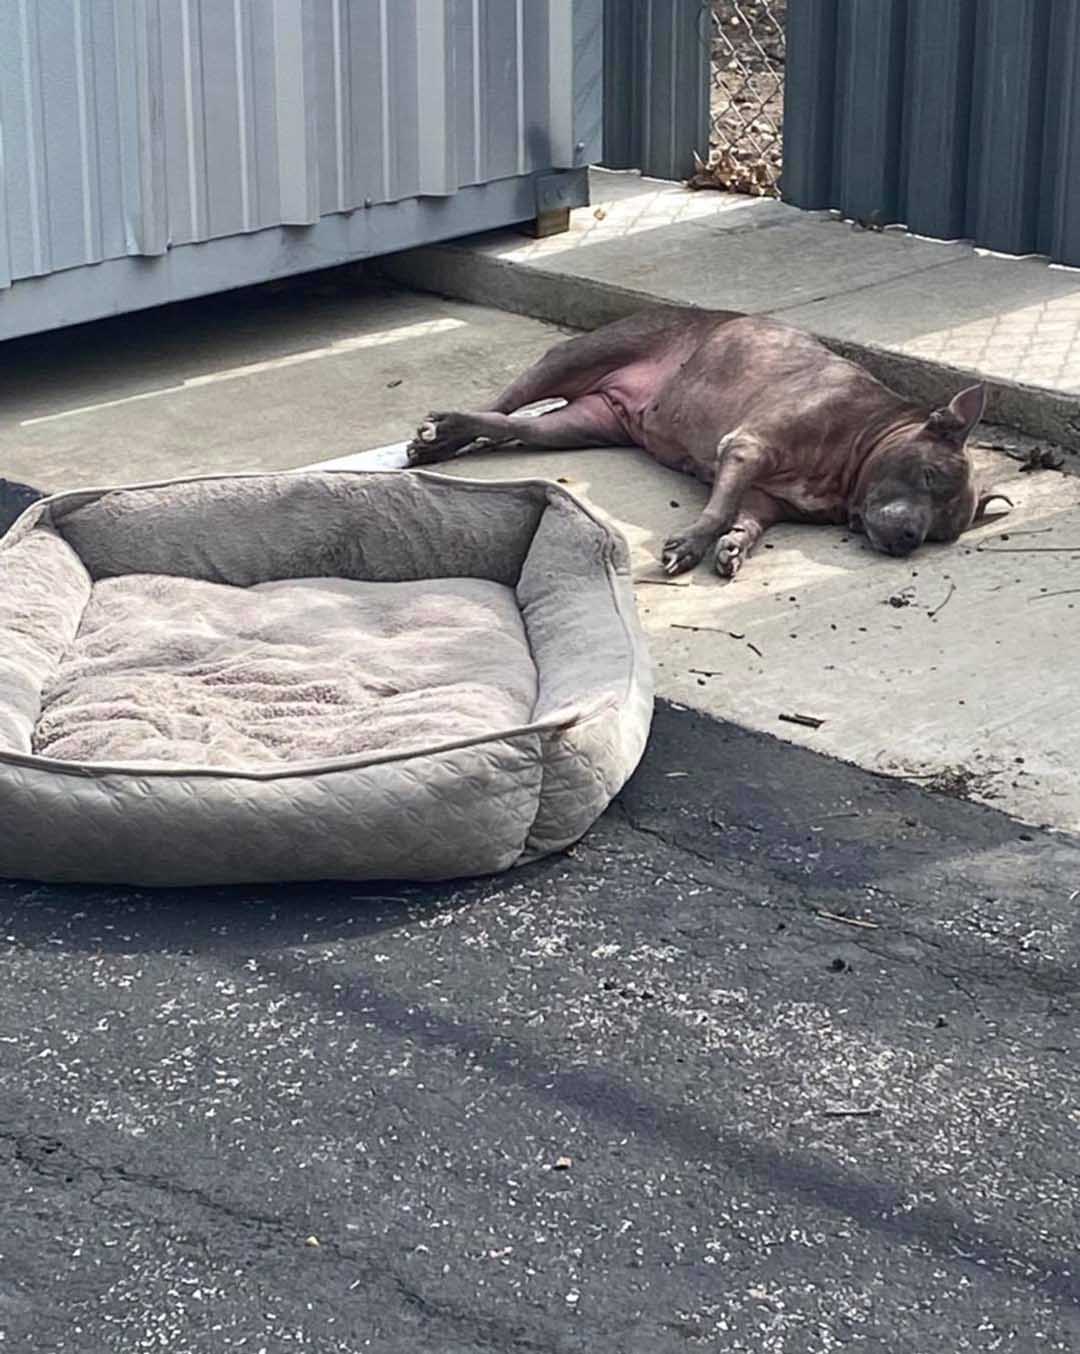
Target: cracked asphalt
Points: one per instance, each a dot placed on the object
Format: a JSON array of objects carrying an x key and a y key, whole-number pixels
[{"x": 781, "y": 1058}]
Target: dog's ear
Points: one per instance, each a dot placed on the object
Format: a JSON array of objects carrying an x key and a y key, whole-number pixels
[{"x": 956, "y": 419}]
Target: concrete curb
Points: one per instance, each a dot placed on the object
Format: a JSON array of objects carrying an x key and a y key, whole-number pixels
[{"x": 456, "y": 271}]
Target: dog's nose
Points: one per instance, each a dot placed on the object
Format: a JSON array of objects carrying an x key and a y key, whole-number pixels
[{"x": 905, "y": 541}]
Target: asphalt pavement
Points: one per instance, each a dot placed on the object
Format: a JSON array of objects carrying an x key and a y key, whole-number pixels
[{"x": 781, "y": 1058}]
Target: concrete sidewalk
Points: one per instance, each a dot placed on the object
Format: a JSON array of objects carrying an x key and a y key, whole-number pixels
[{"x": 921, "y": 314}]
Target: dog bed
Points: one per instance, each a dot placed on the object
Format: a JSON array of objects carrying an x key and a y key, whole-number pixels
[{"x": 325, "y": 675}]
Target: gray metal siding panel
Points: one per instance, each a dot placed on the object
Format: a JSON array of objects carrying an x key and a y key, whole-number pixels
[
  {"x": 655, "y": 111},
  {"x": 64, "y": 132},
  {"x": 1011, "y": 55},
  {"x": 134, "y": 127},
  {"x": 365, "y": 106},
  {"x": 870, "y": 72},
  {"x": 989, "y": 95},
  {"x": 296, "y": 110},
  {"x": 142, "y": 129},
  {"x": 23, "y": 130},
  {"x": 536, "y": 88},
  {"x": 809, "y": 103},
  {"x": 77, "y": 294},
  {"x": 264, "y": 115},
  {"x": 937, "y": 101},
  {"x": 1059, "y": 231},
  {"x": 107, "y": 151},
  {"x": 402, "y": 102},
  {"x": 622, "y": 85},
  {"x": 224, "y": 103},
  {"x": 587, "y": 90},
  {"x": 436, "y": 140},
  {"x": 465, "y": 41},
  {"x": 499, "y": 84},
  {"x": 185, "y": 166}
]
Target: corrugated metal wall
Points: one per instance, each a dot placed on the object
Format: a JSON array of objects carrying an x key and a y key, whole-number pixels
[
  {"x": 137, "y": 127},
  {"x": 960, "y": 118},
  {"x": 656, "y": 86}
]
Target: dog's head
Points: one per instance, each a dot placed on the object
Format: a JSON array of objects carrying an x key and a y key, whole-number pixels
[
  {"x": 918, "y": 483},
  {"x": 15, "y": 498}
]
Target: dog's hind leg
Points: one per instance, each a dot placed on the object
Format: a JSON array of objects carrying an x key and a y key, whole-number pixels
[
  {"x": 574, "y": 367},
  {"x": 585, "y": 422}
]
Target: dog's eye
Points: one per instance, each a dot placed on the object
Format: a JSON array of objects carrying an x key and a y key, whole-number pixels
[{"x": 931, "y": 478}]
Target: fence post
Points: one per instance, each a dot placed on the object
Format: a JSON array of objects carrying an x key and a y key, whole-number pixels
[{"x": 656, "y": 85}]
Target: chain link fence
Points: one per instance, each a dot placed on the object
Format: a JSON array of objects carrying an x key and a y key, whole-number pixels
[{"x": 747, "y": 45}]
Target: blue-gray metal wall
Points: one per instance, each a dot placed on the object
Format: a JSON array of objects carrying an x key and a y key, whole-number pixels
[
  {"x": 959, "y": 118},
  {"x": 289, "y": 134},
  {"x": 656, "y": 85}
]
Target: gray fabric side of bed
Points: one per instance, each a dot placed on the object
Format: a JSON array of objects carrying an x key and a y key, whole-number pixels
[
  {"x": 438, "y": 815},
  {"x": 577, "y": 603},
  {"x": 44, "y": 590},
  {"x": 259, "y": 529}
]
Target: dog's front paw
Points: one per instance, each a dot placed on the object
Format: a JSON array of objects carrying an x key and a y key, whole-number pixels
[
  {"x": 682, "y": 553},
  {"x": 730, "y": 553}
]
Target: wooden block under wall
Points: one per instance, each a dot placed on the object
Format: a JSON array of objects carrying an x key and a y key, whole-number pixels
[{"x": 555, "y": 222}]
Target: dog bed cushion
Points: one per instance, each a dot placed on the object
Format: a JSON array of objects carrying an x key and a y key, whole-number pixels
[{"x": 313, "y": 676}]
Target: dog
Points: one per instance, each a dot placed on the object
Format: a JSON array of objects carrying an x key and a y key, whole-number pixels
[{"x": 780, "y": 427}]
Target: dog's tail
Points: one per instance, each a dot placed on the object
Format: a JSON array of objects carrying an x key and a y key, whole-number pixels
[{"x": 15, "y": 498}]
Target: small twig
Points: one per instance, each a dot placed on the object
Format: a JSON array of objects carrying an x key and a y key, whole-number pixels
[
  {"x": 704, "y": 672},
  {"x": 847, "y": 921},
  {"x": 717, "y": 630},
  {"x": 662, "y": 582},
  {"x": 1062, "y": 592},
  {"x": 1030, "y": 550},
  {"x": 865, "y": 1113},
  {"x": 948, "y": 599},
  {"x": 1074, "y": 895},
  {"x": 808, "y": 721},
  {"x": 711, "y": 629}
]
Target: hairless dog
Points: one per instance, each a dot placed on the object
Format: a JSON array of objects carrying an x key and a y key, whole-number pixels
[{"x": 780, "y": 427}]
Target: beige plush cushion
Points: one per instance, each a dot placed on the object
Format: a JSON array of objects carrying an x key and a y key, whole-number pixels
[{"x": 172, "y": 670}]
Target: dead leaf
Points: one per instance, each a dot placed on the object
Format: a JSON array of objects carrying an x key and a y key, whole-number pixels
[{"x": 728, "y": 175}]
